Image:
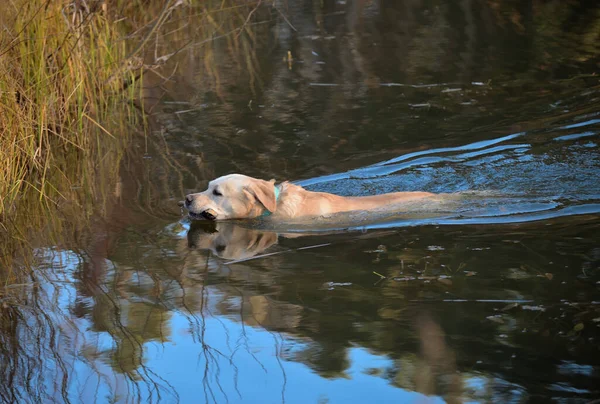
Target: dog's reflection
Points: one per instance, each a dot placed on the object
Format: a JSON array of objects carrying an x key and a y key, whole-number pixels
[{"x": 228, "y": 240}]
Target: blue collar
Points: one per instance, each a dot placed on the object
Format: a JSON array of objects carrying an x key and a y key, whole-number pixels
[{"x": 266, "y": 212}]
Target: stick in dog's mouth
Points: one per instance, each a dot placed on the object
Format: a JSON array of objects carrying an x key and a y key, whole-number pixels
[{"x": 208, "y": 214}]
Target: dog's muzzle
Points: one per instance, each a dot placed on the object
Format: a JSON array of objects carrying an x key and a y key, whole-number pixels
[{"x": 207, "y": 214}]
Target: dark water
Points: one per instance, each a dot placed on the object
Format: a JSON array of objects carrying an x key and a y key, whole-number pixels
[{"x": 492, "y": 295}]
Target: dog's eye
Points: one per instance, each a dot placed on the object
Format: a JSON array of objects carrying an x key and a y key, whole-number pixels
[
  {"x": 217, "y": 193},
  {"x": 220, "y": 248}
]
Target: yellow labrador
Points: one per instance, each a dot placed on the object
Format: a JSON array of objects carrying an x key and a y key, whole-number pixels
[{"x": 238, "y": 196}]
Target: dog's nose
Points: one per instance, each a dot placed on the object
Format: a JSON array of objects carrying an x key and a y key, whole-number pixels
[{"x": 188, "y": 200}]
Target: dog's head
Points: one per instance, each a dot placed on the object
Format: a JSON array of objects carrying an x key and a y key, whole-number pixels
[
  {"x": 228, "y": 240},
  {"x": 233, "y": 196}
]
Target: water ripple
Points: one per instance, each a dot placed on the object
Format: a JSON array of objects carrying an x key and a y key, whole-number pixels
[{"x": 492, "y": 181}]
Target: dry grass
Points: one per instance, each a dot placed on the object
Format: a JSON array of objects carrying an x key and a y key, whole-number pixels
[
  {"x": 70, "y": 73},
  {"x": 64, "y": 118}
]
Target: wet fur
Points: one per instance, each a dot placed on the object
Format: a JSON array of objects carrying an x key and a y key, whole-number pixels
[{"x": 244, "y": 197}]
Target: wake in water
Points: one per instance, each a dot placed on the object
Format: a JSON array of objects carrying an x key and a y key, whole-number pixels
[{"x": 517, "y": 178}]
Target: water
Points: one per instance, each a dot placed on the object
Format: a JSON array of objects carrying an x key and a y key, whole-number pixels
[{"x": 490, "y": 293}]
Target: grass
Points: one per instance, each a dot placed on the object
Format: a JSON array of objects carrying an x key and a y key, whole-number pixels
[
  {"x": 54, "y": 73},
  {"x": 65, "y": 114},
  {"x": 70, "y": 91}
]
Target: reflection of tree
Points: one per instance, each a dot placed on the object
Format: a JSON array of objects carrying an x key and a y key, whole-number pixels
[
  {"x": 330, "y": 360},
  {"x": 131, "y": 324},
  {"x": 292, "y": 294},
  {"x": 385, "y": 320},
  {"x": 27, "y": 339},
  {"x": 284, "y": 125}
]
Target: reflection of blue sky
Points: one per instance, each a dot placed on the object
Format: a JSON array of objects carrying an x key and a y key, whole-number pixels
[
  {"x": 572, "y": 368},
  {"x": 88, "y": 376},
  {"x": 261, "y": 376},
  {"x": 244, "y": 363}
]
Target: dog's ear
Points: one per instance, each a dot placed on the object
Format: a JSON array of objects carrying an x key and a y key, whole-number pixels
[{"x": 264, "y": 192}]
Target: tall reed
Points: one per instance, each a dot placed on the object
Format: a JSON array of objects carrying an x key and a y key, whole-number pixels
[
  {"x": 64, "y": 111},
  {"x": 69, "y": 75}
]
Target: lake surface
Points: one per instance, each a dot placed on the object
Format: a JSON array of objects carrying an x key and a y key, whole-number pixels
[{"x": 491, "y": 296}]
